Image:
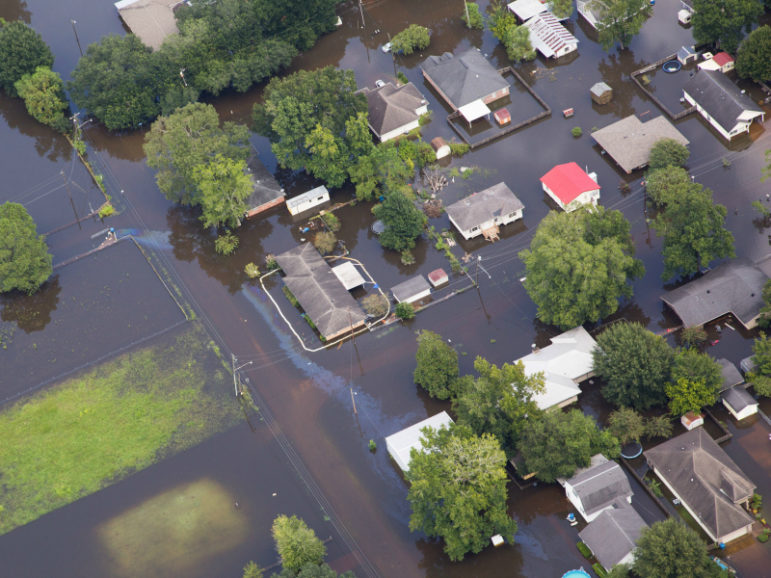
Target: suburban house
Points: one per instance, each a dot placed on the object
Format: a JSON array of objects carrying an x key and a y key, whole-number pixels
[
  {"x": 565, "y": 363},
  {"x": 267, "y": 193},
  {"x": 526, "y": 9},
  {"x": 483, "y": 212},
  {"x": 739, "y": 402},
  {"x": 706, "y": 481},
  {"x": 730, "y": 374},
  {"x": 629, "y": 141},
  {"x": 401, "y": 443},
  {"x": 549, "y": 37},
  {"x": 149, "y": 20},
  {"x": 735, "y": 287},
  {"x": 307, "y": 200},
  {"x": 411, "y": 290},
  {"x": 721, "y": 103},
  {"x": 319, "y": 291},
  {"x": 394, "y": 110},
  {"x": 571, "y": 187},
  {"x": 722, "y": 62},
  {"x": 468, "y": 83},
  {"x": 601, "y": 486},
  {"x": 613, "y": 535}
]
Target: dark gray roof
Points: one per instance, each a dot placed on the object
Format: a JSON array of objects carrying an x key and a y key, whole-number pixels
[
  {"x": 720, "y": 97},
  {"x": 390, "y": 107},
  {"x": 613, "y": 534},
  {"x": 601, "y": 486},
  {"x": 479, "y": 207},
  {"x": 319, "y": 291},
  {"x": 464, "y": 78},
  {"x": 738, "y": 398},
  {"x": 408, "y": 289},
  {"x": 730, "y": 372},
  {"x": 733, "y": 287},
  {"x": 705, "y": 478},
  {"x": 266, "y": 187},
  {"x": 747, "y": 364}
]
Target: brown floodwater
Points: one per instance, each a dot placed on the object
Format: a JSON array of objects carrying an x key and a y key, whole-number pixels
[{"x": 312, "y": 445}]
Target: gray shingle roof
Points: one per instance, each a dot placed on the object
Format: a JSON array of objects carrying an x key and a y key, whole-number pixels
[
  {"x": 720, "y": 97},
  {"x": 266, "y": 187},
  {"x": 601, "y": 486},
  {"x": 613, "y": 534},
  {"x": 738, "y": 398},
  {"x": 479, "y": 207},
  {"x": 733, "y": 287},
  {"x": 408, "y": 289},
  {"x": 730, "y": 373},
  {"x": 319, "y": 291},
  {"x": 390, "y": 107},
  {"x": 150, "y": 20},
  {"x": 464, "y": 78},
  {"x": 705, "y": 478}
]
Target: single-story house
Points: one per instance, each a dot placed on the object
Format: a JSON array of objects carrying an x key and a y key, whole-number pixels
[
  {"x": 739, "y": 402},
  {"x": 482, "y": 213},
  {"x": 565, "y": 363},
  {"x": 687, "y": 54},
  {"x": 348, "y": 275},
  {"x": 149, "y": 20},
  {"x": 394, "y": 110},
  {"x": 613, "y": 535},
  {"x": 401, "y": 444},
  {"x": 601, "y": 486},
  {"x": 734, "y": 287},
  {"x": 730, "y": 374},
  {"x": 721, "y": 103},
  {"x": 411, "y": 290},
  {"x": 571, "y": 187},
  {"x": 706, "y": 481},
  {"x": 308, "y": 200},
  {"x": 722, "y": 62},
  {"x": 320, "y": 293},
  {"x": 629, "y": 141},
  {"x": 549, "y": 37},
  {"x": 267, "y": 193},
  {"x": 526, "y": 9},
  {"x": 467, "y": 79}
]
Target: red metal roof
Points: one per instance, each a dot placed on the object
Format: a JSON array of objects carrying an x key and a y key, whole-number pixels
[
  {"x": 502, "y": 116},
  {"x": 437, "y": 277},
  {"x": 722, "y": 58},
  {"x": 568, "y": 181}
]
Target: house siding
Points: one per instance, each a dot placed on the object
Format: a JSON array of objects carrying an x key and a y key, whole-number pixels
[
  {"x": 399, "y": 131},
  {"x": 744, "y": 413},
  {"x": 737, "y": 129},
  {"x": 585, "y": 198},
  {"x": 477, "y": 229}
]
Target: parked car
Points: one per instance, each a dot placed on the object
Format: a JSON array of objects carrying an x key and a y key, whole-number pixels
[
  {"x": 386, "y": 47},
  {"x": 379, "y": 83}
]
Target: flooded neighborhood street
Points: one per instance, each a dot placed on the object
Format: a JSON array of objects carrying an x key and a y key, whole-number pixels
[{"x": 307, "y": 452}]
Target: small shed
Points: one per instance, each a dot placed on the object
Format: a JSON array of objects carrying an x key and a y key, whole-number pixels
[
  {"x": 739, "y": 402},
  {"x": 684, "y": 17},
  {"x": 441, "y": 148},
  {"x": 601, "y": 93},
  {"x": 687, "y": 54},
  {"x": 308, "y": 200},
  {"x": 502, "y": 116},
  {"x": 692, "y": 420},
  {"x": 348, "y": 274},
  {"x": 411, "y": 290},
  {"x": 400, "y": 444},
  {"x": 438, "y": 277}
]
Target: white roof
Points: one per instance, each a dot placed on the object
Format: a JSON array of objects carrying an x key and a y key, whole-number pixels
[
  {"x": 348, "y": 274},
  {"x": 401, "y": 443},
  {"x": 709, "y": 65},
  {"x": 526, "y": 9},
  {"x": 548, "y": 36},
  {"x": 308, "y": 196},
  {"x": 557, "y": 390},
  {"x": 474, "y": 110}
]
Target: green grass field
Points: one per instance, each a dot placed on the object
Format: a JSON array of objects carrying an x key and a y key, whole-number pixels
[{"x": 93, "y": 430}]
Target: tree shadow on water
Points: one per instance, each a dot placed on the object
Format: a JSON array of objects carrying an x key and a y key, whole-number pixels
[{"x": 31, "y": 312}]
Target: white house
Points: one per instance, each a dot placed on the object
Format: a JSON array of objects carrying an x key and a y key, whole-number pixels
[
  {"x": 526, "y": 9},
  {"x": 721, "y": 61},
  {"x": 549, "y": 37},
  {"x": 308, "y": 200},
  {"x": 613, "y": 535},
  {"x": 400, "y": 444},
  {"x": 571, "y": 187},
  {"x": 600, "y": 487},
  {"x": 394, "y": 111},
  {"x": 483, "y": 212},
  {"x": 739, "y": 402}
]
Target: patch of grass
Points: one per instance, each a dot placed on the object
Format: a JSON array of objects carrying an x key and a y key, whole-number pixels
[
  {"x": 599, "y": 570},
  {"x": 331, "y": 220},
  {"x": 458, "y": 149},
  {"x": 584, "y": 549},
  {"x": 289, "y": 295},
  {"x": 95, "y": 429}
]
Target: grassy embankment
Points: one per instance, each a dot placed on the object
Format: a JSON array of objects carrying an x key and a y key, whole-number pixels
[{"x": 95, "y": 429}]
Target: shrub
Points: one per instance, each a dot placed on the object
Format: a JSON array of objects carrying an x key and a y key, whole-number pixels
[
  {"x": 656, "y": 488},
  {"x": 270, "y": 262},
  {"x": 331, "y": 221},
  {"x": 407, "y": 258},
  {"x": 325, "y": 242},
  {"x": 402, "y": 77},
  {"x": 106, "y": 210},
  {"x": 584, "y": 549},
  {"x": 226, "y": 244},
  {"x": 576, "y": 131},
  {"x": 763, "y": 536},
  {"x": 601, "y": 572},
  {"x": 475, "y": 20},
  {"x": 289, "y": 295},
  {"x": 458, "y": 149},
  {"x": 410, "y": 39},
  {"x": 372, "y": 446},
  {"x": 405, "y": 311},
  {"x": 252, "y": 271},
  {"x": 375, "y": 304},
  {"x": 424, "y": 119}
]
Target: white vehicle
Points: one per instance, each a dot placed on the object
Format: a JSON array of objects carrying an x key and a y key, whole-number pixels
[
  {"x": 379, "y": 83},
  {"x": 386, "y": 47}
]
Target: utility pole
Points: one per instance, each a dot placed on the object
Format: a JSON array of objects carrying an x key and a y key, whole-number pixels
[
  {"x": 361, "y": 11},
  {"x": 75, "y": 30},
  {"x": 479, "y": 266},
  {"x": 235, "y": 369}
]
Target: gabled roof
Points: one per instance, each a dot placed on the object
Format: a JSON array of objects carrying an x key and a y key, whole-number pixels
[
  {"x": 722, "y": 58},
  {"x": 391, "y": 107},
  {"x": 401, "y": 443},
  {"x": 613, "y": 534},
  {"x": 548, "y": 36},
  {"x": 266, "y": 188},
  {"x": 319, "y": 291},
  {"x": 720, "y": 97},
  {"x": 465, "y": 78},
  {"x": 150, "y": 20},
  {"x": 600, "y": 486},
  {"x": 738, "y": 398},
  {"x": 733, "y": 287},
  {"x": 407, "y": 290},
  {"x": 704, "y": 478},
  {"x": 526, "y": 9},
  {"x": 568, "y": 181},
  {"x": 730, "y": 374},
  {"x": 480, "y": 207}
]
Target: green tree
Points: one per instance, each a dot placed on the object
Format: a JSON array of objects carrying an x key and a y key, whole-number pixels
[
  {"x": 404, "y": 311},
  {"x": 437, "y": 365},
  {"x": 315, "y": 571},
  {"x": 694, "y": 365},
  {"x": 403, "y": 221},
  {"x": 412, "y": 38},
  {"x": 694, "y": 234},
  {"x": 658, "y": 426},
  {"x": 635, "y": 364},
  {"x": 619, "y": 571},
  {"x": 668, "y": 152},
  {"x": 626, "y": 424},
  {"x": 579, "y": 265},
  {"x": 252, "y": 570},
  {"x": 689, "y": 395},
  {"x": 25, "y": 263},
  {"x": 556, "y": 445},
  {"x": 723, "y": 22},
  {"x": 475, "y": 20},
  {"x": 325, "y": 242},
  {"x": 186, "y": 139},
  {"x": 760, "y": 376},
  {"x": 44, "y": 98},
  {"x": 562, "y": 8},
  {"x": 380, "y": 172},
  {"x": 458, "y": 490},
  {"x": 765, "y": 312},
  {"x": 620, "y": 20},
  {"x": 22, "y": 50},
  {"x": 667, "y": 185},
  {"x": 223, "y": 188},
  {"x": 670, "y": 549},
  {"x": 517, "y": 43},
  {"x": 753, "y": 60},
  {"x": 296, "y": 543},
  {"x": 499, "y": 402}
]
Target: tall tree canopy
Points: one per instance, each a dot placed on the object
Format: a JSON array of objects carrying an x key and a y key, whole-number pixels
[
  {"x": 437, "y": 365},
  {"x": 693, "y": 365},
  {"x": 753, "y": 59},
  {"x": 670, "y": 549},
  {"x": 380, "y": 172},
  {"x": 296, "y": 543},
  {"x": 25, "y": 263},
  {"x": 458, "y": 490},
  {"x": 635, "y": 364},
  {"x": 224, "y": 187},
  {"x": 22, "y": 50},
  {"x": 412, "y": 38},
  {"x": 579, "y": 265},
  {"x": 668, "y": 152},
  {"x": 723, "y": 22},
  {"x": 44, "y": 98},
  {"x": 760, "y": 376},
  {"x": 403, "y": 221},
  {"x": 667, "y": 185},
  {"x": 619, "y": 20}
]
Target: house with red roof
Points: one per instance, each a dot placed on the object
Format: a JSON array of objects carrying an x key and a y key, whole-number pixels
[
  {"x": 725, "y": 61},
  {"x": 571, "y": 187}
]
